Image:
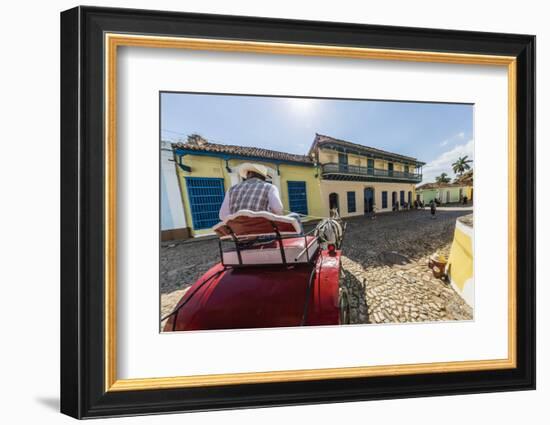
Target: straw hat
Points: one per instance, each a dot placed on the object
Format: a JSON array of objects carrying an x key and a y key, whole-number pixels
[{"x": 256, "y": 168}]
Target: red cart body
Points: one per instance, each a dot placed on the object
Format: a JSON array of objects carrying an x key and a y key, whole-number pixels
[{"x": 301, "y": 288}]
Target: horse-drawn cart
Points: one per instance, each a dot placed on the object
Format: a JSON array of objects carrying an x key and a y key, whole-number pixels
[{"x": 270, "y": 274}]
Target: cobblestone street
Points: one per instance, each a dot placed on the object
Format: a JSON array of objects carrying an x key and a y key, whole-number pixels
[{"x": 384, "y": 261}]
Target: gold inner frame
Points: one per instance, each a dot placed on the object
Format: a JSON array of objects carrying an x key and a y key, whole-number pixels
[{"x": 113, "y": 41}]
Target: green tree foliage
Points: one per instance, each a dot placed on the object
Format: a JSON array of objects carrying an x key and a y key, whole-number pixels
[{"x": 461, "y": 164}]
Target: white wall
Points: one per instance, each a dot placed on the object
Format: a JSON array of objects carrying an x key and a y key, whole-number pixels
[
  {"x": 342, "y": 187},
  {"x": 29, "y": 221},
  {"x": 171, "y": 204}
]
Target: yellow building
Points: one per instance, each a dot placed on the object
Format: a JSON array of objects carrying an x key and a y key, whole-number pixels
[
  {"x": 358, "y": 179},
  {"x": 467, "y": 180},
  {"x": 353, "y": 178},
  {"x": 207, "y": 170}
]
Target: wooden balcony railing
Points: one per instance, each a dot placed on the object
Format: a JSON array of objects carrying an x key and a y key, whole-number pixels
[{"x": 334, "y": 169}]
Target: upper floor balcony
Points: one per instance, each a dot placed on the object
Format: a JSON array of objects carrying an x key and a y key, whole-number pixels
[{"x": 335, "y": 171}]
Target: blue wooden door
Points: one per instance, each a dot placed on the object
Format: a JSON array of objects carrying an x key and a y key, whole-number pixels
[
  {"x": 205, "y": 199},
  {"x": 369, "y": 199},
  {"x": 297, "y": 197},
  {"x": 384, "y": 200}
]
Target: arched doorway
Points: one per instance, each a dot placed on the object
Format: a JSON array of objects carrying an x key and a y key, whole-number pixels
[
  {"x": 333, "y": 202},
  {"x": 369, "y": 199},
  {"x": 394, "y": 204}
]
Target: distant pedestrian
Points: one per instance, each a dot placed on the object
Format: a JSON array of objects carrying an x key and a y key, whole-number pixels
[{"x": 432, "y": 208}]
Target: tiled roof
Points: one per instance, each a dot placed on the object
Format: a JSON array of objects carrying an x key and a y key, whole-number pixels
[
  {"x": 321, "y": 139},
  {"x": 427, "y": 186},
  {"x": 466, "y": 178},
  {"x": 244, "y": 151}
]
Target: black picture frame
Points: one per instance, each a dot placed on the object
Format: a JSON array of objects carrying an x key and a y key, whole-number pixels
[{"x": 82, "y": 212}]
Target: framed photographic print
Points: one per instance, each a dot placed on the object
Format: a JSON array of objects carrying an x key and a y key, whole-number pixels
[{"x": 261, "y": 212}]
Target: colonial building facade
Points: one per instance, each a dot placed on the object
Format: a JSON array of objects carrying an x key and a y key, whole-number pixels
[
  {"x": 466, "y": 180},
  {"x": 445, "y": 193},
  {"x": 358, "y": 179},
  {"x": 335, "y": 174},
  {"x": 207, "y": 170}
]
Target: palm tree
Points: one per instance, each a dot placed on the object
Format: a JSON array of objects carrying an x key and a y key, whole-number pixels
[
  {"x": 443, "y": 178},
  {"x": 461, "y": 165}
]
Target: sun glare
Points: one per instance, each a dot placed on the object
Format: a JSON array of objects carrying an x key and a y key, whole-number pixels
[{"x": 301, "y": 105}]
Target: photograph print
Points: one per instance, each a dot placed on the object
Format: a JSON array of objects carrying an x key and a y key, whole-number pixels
[{"x": 292, "y": 211}]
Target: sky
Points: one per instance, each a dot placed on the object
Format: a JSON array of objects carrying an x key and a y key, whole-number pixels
[{"x": 434, "y": 133}]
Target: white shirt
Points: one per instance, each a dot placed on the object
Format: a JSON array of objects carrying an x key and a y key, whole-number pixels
[{"x": 274, "y": 206}]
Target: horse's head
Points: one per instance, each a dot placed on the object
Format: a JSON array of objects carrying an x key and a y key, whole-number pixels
[{"x": 330, "y": 231}]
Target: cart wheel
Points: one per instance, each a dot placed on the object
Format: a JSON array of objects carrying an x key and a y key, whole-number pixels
[{"x": 343, "y": 304}]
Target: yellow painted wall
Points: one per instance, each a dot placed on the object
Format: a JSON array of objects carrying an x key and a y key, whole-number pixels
[
  {"x": 460, "y": 265},
  {"x": 206, "y": 166},
  {"x": 357, "y": 160},
  {"x": 201, "y": 166},
  {"x": 380, "y": 164},
  {"x": 307, "y": 174},
  {"x": 460, "y": 258},
  {"x": 326, "y": 156},
  {"x": 469, "y": 192}
]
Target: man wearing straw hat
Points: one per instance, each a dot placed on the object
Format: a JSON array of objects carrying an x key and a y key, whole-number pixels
[{"x": 254, "y": 193}]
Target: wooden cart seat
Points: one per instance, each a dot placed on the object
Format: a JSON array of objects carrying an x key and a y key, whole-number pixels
[
  {"x": 296, "y": 250},
  {"x": 264, "y": 238}
]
